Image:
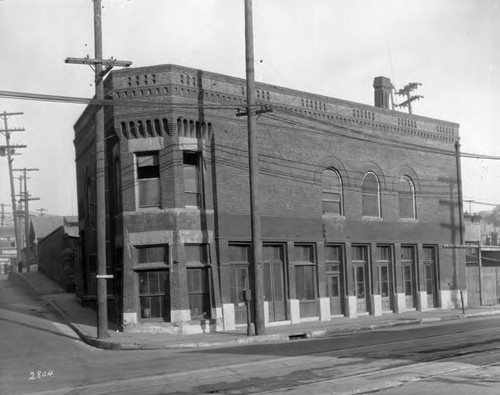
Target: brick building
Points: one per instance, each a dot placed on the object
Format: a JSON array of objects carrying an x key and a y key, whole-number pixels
[
  {"x": 356, "y": 202},
  {"x": 56, "y": 254}
]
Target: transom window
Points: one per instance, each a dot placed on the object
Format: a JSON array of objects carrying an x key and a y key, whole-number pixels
[
  {"x": 331, "y": 192},
  {"x": 370, "y": 190},
  {"x": 333, "y": 258},
  {"x": 152, "y": 254},
  {"x": 406, "y": 198}
]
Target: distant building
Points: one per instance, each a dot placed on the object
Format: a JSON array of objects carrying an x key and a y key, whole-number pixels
[
  {"x": 8, "y": 250},
  {"x": 483, "y": 258},
  {"x": 56, "y": 254},
  {"x": 356, "y": 203}
]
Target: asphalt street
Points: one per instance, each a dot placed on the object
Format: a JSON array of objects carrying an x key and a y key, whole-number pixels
[{"x": 41, "y": 355}]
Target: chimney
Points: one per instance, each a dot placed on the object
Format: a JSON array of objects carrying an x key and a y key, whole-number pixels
[{"x": 383, "y": 89}]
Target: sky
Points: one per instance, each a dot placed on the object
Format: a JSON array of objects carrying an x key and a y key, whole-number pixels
[{"x": 329, "y": 47}]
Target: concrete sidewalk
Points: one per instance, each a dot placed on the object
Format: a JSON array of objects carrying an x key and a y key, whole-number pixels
[{"x": 83, "y": 320}]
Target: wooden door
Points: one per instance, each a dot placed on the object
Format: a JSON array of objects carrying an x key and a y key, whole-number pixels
[
  {"x": 274, "y": 282},
  {"x": 334, "y": 292}
]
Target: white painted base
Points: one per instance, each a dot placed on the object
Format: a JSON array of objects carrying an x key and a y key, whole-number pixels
[
  {"x": 218, "y": 325},
  {"x": 399, "y": 303},
  {"x": 129, "y": 319},
  {"x": 294, "y": 308},
  {"x": 450, "y": 299},
  {"x": 376, "y": 304},
  {"x": 422, "y": 300},
  {"x": 324, "y": 309},
  {"x": 266, "y": 313},
  {"x": 229, "y": 318},
  {"x": 279, "y": 323},
  {"x": 351, "y": 307}
]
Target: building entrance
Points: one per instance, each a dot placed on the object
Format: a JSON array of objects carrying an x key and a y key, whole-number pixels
[
  {"x": 408, "y": 266},
  {"x": 274, "y": 282}
]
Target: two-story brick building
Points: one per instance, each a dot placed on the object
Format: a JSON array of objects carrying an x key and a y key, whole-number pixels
[{"x": 356, "y": 202}]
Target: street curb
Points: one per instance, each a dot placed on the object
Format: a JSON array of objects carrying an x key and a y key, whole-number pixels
[{"x": 111, "y": 345}]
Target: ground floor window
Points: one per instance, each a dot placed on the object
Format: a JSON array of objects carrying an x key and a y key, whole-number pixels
[
  {"x": 154, "y": 294},
  {"x": 199, "y": 292}
]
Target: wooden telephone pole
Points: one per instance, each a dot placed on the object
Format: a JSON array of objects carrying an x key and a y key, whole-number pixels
[
  {"x": 9, "y": 152},
  {"x": 257, "y": 264},
  {"x": 406, "y": 92},
  {"x": 100, "y": 164},
  {"x": 25, "y": 198}
]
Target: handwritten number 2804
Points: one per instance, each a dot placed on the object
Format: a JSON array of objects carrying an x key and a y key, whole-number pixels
[{"x": 40, "y": 374}]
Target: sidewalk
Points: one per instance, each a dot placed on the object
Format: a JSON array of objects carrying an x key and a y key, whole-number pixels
[{"x": 83, "y": 320}]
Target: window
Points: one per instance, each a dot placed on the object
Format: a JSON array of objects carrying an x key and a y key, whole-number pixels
[
  {"x": 196, "y": 254},
  {"x": 331, "y": 192},
  {"x": 153, "y": 294},
  {"x": 406, "y": 198},
  {"x": 198, "y": 291},
  {"x": 192, "y": 188},
  {"x": 239, "y": 253},
  {"x": 333, "y": 259},
  {"x": 370, "y": 190},
  {"x": 152, "y": 254},
  {"x": 198, "y": 280},
  {"x": 148, "y": 175}
]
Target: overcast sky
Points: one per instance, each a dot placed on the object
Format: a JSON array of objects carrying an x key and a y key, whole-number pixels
[{"x": 329, "y": 47}]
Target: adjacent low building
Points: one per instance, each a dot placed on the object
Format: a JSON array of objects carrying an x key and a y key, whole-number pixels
[
  {"x": 356, "y": 202},
  {"x": 56, "y": 254}
]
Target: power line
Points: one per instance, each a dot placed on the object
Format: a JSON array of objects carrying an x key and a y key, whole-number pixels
[{"x": 362, "y": 136}]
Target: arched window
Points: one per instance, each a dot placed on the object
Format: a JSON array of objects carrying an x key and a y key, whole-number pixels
[
  {"x": 331, "y": 192},
  {"x": 370, "y": 190},
  {"x": 406, "y": 198}
]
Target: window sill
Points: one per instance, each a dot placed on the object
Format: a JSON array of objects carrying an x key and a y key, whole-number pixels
[
  {"x": 372, "y": 218},
  {"x": 333, "y": 216},
  {"x": 150, "y": 266},
  {"x": 410, "y": 220},
  {"x": 155, "y": 208}
]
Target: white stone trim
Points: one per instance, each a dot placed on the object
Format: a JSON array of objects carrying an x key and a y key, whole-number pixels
[
  {"x": 324, "y": 309},
  {"x": 229, "y": 318}
]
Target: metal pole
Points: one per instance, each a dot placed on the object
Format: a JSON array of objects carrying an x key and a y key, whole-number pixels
[
  {"x": 12, "y": 194},
  {"x": 480, "y": 269},
  {"x": 102, "y": 302},
  {"x": 254, "y": 174}
]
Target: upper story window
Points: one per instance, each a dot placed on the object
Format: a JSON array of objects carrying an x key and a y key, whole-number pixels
[
  {"x": 148, "y": 177},
  {"x": 407, "y": 206},
  {"x": 331, "y": 192},
  {"x": 192, "y": 179},
  {"x": 370, "y": 190}
]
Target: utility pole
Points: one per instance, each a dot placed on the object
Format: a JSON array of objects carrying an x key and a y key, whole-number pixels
[
  {"x": 41, "y": 211},
  {"x": 257, "y": 263},
  {"x": 9, "y": 151},
  {"x": 2, "y": 215},
  {"x": 100, "y": 166},
  {"x": 26, "y": 198},
  {"x": 406, "y": 91},
  {"x": 459, "y": 190}
]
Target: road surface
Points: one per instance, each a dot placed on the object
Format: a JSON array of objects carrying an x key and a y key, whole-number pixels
[{"x": 40, "y": 355}]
